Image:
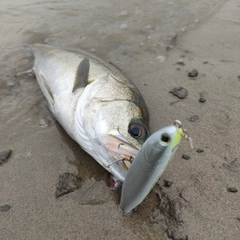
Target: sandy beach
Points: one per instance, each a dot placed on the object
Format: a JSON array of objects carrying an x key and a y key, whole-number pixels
[{"x": 193, "y": 199}]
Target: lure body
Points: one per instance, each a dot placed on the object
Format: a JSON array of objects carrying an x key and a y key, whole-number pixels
[{"x": 149, "y": 164}]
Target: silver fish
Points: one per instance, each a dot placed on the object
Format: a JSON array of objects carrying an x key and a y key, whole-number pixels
[
  {"x": 95, "y": 103},
  {"x": 149, "y": 164}
]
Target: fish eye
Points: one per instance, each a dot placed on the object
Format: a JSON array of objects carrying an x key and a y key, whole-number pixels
[
  {"x": 136, "y": 131},
  {"x": 165, "y": 138}
]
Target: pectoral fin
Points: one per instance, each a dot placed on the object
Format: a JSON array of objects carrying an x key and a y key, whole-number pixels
[{"x": 82, "y": 74}]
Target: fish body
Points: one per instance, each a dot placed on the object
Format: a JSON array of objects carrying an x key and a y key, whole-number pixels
[
  {"x": 149, "y": 164},
  {"x": 95, "y": 103}
]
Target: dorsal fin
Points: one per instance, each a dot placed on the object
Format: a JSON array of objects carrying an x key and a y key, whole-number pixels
[{"x": 81, "y": 79}]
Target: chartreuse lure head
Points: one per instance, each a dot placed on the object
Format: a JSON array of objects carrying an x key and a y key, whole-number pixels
[{"x": 149, "y": 164}]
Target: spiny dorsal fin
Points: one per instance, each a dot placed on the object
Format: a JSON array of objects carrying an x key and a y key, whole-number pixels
[{"x": 82, "y": 74}]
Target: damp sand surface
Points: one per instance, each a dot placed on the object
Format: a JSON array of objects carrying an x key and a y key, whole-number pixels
[{"x": 156, "y": 44}]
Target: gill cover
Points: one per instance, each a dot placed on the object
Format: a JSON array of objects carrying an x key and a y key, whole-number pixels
[{"x": 149, "y": 164}]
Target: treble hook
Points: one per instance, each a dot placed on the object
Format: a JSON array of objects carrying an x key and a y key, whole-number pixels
[
  {"x": 186, "y": 136},
  {"x": 122, "y": 158}
]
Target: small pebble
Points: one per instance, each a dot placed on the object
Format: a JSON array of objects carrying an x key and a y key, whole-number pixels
[
  {"x": 11, "y": 83},
  {"x": 124, "y": 26},
  {"x": 5, "y": 208},
  {"x": 43, "y": 123},
  {"x": 148, "y": 26},
  {"x": 232, "y": 189},
  {"x": 202, "y": 99},
  {"x": 193, "y": 73},
  {"x": 29, "y": 154},
  {"x": 183, "y": 29},
  {"x": 186, "y": 157},
  {"x": 92, "y": 50},
  {"x": 180, "y": 92},
  {"x": 200, "y": 150},
  {"x": 161, "y": 58},
  {"x": 4, "y": 155},
  {"x": 193, "y": 118},
  {"x": 124, "y": 13},
  {"x": 206, "y": 62},
  {"x": 180, "y": 62},
  {"x": 238, "y": 218},
  {"x": 167, "y": 183},
  {"x": 239, "y": 77}
]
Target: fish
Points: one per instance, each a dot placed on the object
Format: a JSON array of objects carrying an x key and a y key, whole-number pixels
[
  {"x": 149, "y": 164},
  {"x": 106, "y": 115},
  {"x": 95, "y": 103}
]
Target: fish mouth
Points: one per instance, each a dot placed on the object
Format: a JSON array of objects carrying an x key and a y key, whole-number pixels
[{"x": 120, "y": 148}]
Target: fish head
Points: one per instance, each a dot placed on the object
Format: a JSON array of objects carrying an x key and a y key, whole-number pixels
[
  {"x": 124, "y": 141},
  {"x": 116, "y": 119},
  {"x": 126, "y": 129}
]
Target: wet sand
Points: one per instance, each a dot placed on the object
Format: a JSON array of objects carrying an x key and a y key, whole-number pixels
[{"x": 200, "y": 204}]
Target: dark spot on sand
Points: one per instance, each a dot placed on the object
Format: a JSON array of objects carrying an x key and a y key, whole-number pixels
[
  {"x": 5, "y": 208},
  {"x": 193, "y": 73},
  {"x": 168, "y": 214},
  {"x": 232, "y": 189},
  {"x": 185, "y": 156},
  {"x": 202, "y": 99},
  {"x": 180, "y": 92},
  {"x": 181, "y": 63},
  {"x": 173, "y": 40},
  {"x": 199, "y": 150},
  {"x": 238, "y": 218},
  {"x": 238, "y": 77},
  {"x": 226, "y": 61},
  {"x": 193, "y": 118},
  {"x": 4, "y": 155},
  {"x": 231, "y": 167},
  {"x": 169, "y": 48},
  {"x": 206, "y": 62},
  {"x": 67, "y": 183}
]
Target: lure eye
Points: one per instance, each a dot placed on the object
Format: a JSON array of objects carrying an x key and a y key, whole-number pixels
[
  {"x": 165, "y": 138},
  {"x": 136, "y": 131}
]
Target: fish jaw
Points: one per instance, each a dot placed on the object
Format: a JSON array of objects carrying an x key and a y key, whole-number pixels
[
  {"x": 120, "y": 149},
  {"x": 149, "y": 164}
]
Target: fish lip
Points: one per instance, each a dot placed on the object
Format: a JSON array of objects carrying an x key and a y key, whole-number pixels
[{"x": 120, "y": 148}]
